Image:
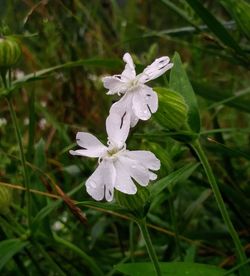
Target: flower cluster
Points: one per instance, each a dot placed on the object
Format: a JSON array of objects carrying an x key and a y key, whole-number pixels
[{"x": 118, "y": 167}]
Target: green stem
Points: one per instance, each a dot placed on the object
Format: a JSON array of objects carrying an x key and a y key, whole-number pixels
[
  {"x": 208, "y": 170},
  {"x": 23, "y": 161},
  {"x": 30, "y": 149},
  {"x": 19, "y": 140},
  {"x": 151, "y": 252},
  {"x": 3, "y": 75}
]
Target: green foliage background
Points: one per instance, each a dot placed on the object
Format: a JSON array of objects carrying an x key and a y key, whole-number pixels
[{"x": 213, "y": 42}]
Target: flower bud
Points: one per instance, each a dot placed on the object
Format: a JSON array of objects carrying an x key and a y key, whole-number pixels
[
  {"x": 137, "y": 204},
  {"x": 10, "y": 52},
  {"x": 172, "y": 113},
  {"x": 5, "y": 199}
]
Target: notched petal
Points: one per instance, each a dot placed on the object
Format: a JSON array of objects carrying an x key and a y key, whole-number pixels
[
  {"x": 138, "y": 172},
  {"x": 123, "y": 182},
  {"x": 117, "y": 126},
  {"x": 129, "y": 71},
  {"x": 92, "y": 147},
  {"x": 145, "y": 102},
  {"x": 155, "y": 70},
  {"x": 101, "y": 183},
  {"x": 114, "y": 84},
  {"x": 145, "y": 158}
]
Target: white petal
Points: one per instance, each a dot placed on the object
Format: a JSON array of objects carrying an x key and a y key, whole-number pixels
[
  {"x": 117, "y": 126},
  {"x": 138, "y": 172},
  {"x": 92, "y": 146},
  {"x": 101, "y": 182},
  {"x": 129, "y": 71},
  {"x": 145, "y": 102},
  {"x": 124, "y": 106},
  {"x": 156, "y": 69},
  {"x": 123, "y": 182},
  {"x": 114, "y": 84},
  {"x": 133, "y": 119},
  {"x": 145, "y": 158},
  {"x": 152, "y": 176}
]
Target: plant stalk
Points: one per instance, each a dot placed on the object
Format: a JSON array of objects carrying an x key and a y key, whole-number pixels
[
  {"x": 151, "y": 252},
  {"x": 211, "y": 178},
  {"x": 23, "y": 161},
  {"x": 21, "y": 150}
]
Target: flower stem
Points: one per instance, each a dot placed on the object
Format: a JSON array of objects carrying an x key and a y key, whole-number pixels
[
  {"x": 151, "y": 252},
  {"x": 208, "y": 170},
  {"x": 21, "y": 150},
  {"x": 23, "y": 161}
]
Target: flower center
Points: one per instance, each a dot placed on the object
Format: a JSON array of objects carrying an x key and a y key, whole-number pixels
[
  {"x": 133, "y": 83},
  {"x": 112, "y": 152}
]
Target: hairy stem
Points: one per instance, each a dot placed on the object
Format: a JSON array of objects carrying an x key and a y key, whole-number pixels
[
  {"x": 23, "y": 161},
  {"x": 151, "y": 252},
  {"x": 21, "y": 150},
  {"x": 208, "y": 170}
]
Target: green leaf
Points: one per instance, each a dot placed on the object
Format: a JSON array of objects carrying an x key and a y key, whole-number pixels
[
  {"x": 214, "y": 25},
  {"x": 181, "y": 12},
  {"x": 9, "y": 248},
  {"x": 46, "y": 72},
  {"x": 209, "y": 92},
  {"x": 102, "y": 205},
  {"x": 170, "y": 180},
  {"x": 240, "y": 11},
  {"x": 170, "y": 269},
  {"x": 196, "y": 206},
  {"x": 180, "y": 83}
]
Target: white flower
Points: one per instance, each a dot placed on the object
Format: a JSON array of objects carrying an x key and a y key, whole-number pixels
[
  {"x": 139, "y": 100},
  {"x": 118, "y": 167}
]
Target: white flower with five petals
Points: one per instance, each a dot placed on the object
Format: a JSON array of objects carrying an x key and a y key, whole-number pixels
[
  {"x": 118, "y": 167},
  {"x": 139, "y": 100}
]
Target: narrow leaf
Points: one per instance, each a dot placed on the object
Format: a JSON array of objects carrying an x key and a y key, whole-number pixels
[
  {"x": 180, "y": 83},
  {"x": 174, "y": 268},
  {"x": 173, "y": 178},
  {"x": 225, "y": 97},
  {"x": 214, "y": 25},
  {"x": 9, "y": 248}
]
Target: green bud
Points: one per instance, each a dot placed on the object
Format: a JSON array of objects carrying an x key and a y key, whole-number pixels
[
  {"x": 5, "y": 199},
  {"x": 10, "y": 53},
  {"x": 172, "y": 112},
  {"x": 137, "y": 204}
]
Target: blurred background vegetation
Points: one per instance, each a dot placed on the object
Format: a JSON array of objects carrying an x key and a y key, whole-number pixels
[{"x": 212, "y": 38}]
